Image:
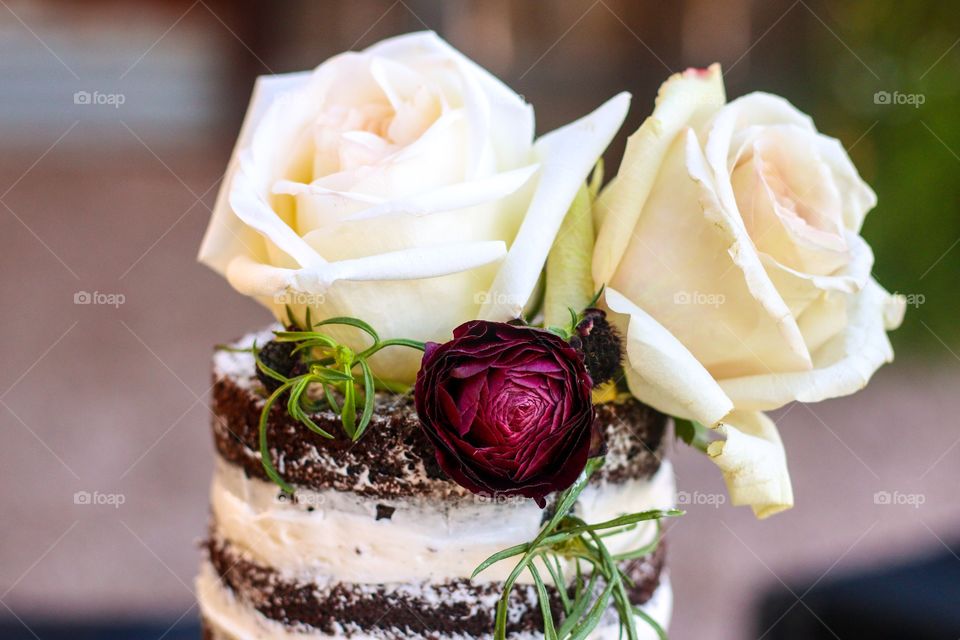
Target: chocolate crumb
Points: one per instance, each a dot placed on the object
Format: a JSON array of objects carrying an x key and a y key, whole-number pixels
[{"x": 385, "y": 512}]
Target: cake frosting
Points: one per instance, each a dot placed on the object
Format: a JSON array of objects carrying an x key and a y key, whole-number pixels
[{"x": 377, "y": 543}]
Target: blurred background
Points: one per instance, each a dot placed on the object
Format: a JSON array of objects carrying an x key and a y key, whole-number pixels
[{"x": 116, "y": 123}]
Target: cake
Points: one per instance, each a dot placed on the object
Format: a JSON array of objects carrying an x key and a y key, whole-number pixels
[
  {"x": 457, "y": 429},
  {"x": 377, "y": 542}
]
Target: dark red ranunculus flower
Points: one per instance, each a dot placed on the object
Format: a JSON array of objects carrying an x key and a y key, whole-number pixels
[{"x": 508, "y": 409}]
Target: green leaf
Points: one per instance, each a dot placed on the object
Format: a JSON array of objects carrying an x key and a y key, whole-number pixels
[
  {"x": 556, "y": 574},
  {"x": 302, "y": 336},
  {"x": 308, "y": 323},
  {"x": 393, "y": 342},
  {"x": 330, "y": 375},
  {"x": 369, "y": 399},
  {"x": 328, "y": 394},
  {"x": 620, "y": 596},
  {"x": 352, "y": 322},
  {"x": 692, "y": 433},
  {"x": 564, "y": 504},
  {"x": 291, "y": 319},
  {"x": 348, "y": 416},
  {"x": 592, "y": 619},
  {"x": 549, "y": 630},
  {"x": 582, "y": 600},
  {"x": 596, "y": 297},
  {"x": 640, "y": 613},
  {"x": 295, "y": 408},
  {"x": 270, "y": 373},
  {"x": 265, "y": 459}
]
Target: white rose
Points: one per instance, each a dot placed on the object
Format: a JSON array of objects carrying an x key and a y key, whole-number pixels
[
  {"x": 730, "y": 243},
  {"x": 400, "y": 185}
]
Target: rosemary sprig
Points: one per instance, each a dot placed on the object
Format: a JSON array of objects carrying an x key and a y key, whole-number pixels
[
  {"x": 564, "y": 538},
  {"x": 337, "y": 369}
]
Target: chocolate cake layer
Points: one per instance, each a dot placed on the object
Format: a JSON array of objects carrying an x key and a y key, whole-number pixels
[
  {"x": 428, "y": 609},
  {"x": 394, "y": 458}
]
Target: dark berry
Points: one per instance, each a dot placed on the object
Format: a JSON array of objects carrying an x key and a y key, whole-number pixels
[
  {"x": 600, "y": 344},
  {"x": 279, "y": 357}
]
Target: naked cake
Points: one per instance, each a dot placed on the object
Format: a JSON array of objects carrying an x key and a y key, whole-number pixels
[
  {"x": 377, "y": 542},
  {"x": 456, "y": 428}
]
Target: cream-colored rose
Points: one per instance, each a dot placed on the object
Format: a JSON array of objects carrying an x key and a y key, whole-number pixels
[
  {"x": 729, "y": 241},
  {"x": 400, "y": 185}
]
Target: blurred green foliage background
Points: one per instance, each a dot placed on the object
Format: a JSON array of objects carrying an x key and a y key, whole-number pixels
[{"x": 909, "y": 153}]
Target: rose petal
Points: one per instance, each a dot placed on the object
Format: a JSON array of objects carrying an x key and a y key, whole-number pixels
[
  {"x": 566, "y": 155},
  {"x": 684, "y": 99},
  {"x": 662, "y": 372},
  {"x": 753, "y": 463},
  {"x": 842, "y": 366}
]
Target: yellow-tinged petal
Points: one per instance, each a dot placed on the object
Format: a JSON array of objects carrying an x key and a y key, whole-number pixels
[
  {"x": 685, "y": 100},
  {"x": 753, "y": 462},
  {"x": 569, "y": 283}
]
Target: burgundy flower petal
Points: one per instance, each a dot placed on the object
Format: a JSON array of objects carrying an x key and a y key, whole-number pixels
[{"x": 508, "y": 409}]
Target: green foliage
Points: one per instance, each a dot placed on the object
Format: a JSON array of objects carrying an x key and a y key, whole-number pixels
[
  {"x": 909, "y": 153},
  {"x": 331, "y": 366},
  {"x": 566, "y": 537}
]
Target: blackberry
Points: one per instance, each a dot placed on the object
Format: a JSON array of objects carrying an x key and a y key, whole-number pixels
[
  {"x": 279, "y": 357},
  {"x": 600, "y": 344}
]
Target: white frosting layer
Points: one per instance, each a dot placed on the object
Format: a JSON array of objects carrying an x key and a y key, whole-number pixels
[
  {"x": 232, "y": 620},
  {"x": 341, "y": 539}
]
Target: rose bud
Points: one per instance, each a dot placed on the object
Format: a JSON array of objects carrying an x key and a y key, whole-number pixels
[
  {"x": 600, "y": 344},
  {"x": 508, "y": 409}
]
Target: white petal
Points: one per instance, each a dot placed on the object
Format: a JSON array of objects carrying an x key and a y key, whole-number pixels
[
  {"x": 257, "y": 279},
  {"x": 858, "y": 197},
  {"x": 776, "y": 343},
  {"x": 842, "y": 366},
  {"x": 662, "y": 372},
  {"x": 683, "y": 100},
  {"x": 409, "y": 264},
  {"x": 226, "y": 235},
  {"x": 753, "y": 463},
  {"x": 252, "y": 278},
  {"x": 249, "y": 206},
  {"x": 567, "y": 155},
  {"x": 291, "y": 188},
  {"x": 511, "y": 133},
  {"x": 452, "y": 197}
]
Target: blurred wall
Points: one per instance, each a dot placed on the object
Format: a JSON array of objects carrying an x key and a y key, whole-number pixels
[{"x": 114, "y": 198}]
